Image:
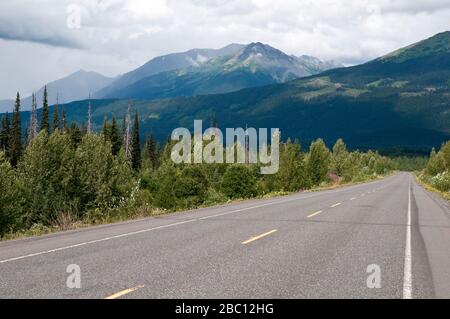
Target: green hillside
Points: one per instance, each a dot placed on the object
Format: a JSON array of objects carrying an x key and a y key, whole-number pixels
[{"x": 400, "y": 100}]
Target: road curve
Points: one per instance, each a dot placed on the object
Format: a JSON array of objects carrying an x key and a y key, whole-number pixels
[{"x": 384, "y": 239}]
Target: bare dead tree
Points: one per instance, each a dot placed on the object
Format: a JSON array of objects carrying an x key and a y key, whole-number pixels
[
  {"x": 33, "y": 119},
  {"x": 127, "y": 136},
  {"x": 89, "y": 127}
]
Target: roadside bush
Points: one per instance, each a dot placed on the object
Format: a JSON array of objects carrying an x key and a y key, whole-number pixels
[
  {"x": 441, "y": 181},
  {"x": 291, "y": 176},
  {"x": 318, "y": 161},
  {"x": 104, "y": 180},
  {"x": 7, "y": 196},
  {"x": 191, "y": 186},
  {"x": 238, "y": 182},
  {"x": 46, "y": 177},
  {"x": 445, "y": 153},
  {"x": 435, "y": 164},
  {"x": 167, "y": 178}
]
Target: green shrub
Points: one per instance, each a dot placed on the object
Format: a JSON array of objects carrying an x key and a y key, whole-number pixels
[
  {"x": 239, "y": 182},
  {"x": 441, "y": 181},
  {"x": 47, "y": 179},
  {"x": 191, "y": 186},
  {"x": 7, "y": 196},
  {"x": 167, "y": 178},
  {"x": 104, "y": 180},
  {"x": 318, "y": 162}
]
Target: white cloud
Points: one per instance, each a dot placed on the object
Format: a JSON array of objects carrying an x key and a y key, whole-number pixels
[{"x": 116, "y": 35}]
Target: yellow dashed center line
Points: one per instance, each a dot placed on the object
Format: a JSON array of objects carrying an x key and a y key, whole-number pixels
[
  {"x": 315, "y": 214},
  {"x": 336, "y": 205},
  {"x": 259, "y": 237},
  {"x": 353, "y": 198},
  {"x": 124, "y": 292}
]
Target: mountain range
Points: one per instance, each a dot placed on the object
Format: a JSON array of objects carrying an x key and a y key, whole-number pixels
[
  {"x": 399, "y": 100},
  {"x": 197, "y": 71},
  {"x": 211, "y": 72},
  {"x": 76, "y": 86}
]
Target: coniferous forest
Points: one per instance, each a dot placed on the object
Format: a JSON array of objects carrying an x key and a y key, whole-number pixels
[{"x": 56, "y": 175}]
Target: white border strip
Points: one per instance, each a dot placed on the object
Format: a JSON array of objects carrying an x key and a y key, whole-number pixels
[{"x": 407, "y": 279}]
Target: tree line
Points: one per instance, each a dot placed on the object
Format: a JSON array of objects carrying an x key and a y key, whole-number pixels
[
  {"x": 58, "y": 175},
  {"x": 437, "y": 171}
]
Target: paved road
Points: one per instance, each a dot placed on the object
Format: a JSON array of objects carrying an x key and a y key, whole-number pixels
[{"x": 310, "y": 245}]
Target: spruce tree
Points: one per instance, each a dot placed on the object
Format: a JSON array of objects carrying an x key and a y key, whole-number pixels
[
  {"x": 56, "y": 124},
  {"x": 63, "y": 120},
  {"x": 44, "y": 121},
  {"x": 124, "y": 129},
  {"x": 135, "y": 145},
  {"x": 214, "y": 121},
  {"x": 4, "y": 133},
  {"x": 75, "y": 134},
  {"x": 114, "y": 137},
  {"x": 26, "y": 138},
  {"x": 152, "y": 150},
  {"x": 16, "y": 134},
  {"x": 105, "y": 129}
]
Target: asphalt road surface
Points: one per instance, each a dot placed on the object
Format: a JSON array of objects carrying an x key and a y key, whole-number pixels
[{"x": 384, "y": 239}]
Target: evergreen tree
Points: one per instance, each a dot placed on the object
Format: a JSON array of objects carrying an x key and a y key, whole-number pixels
[
  {"x": 124, "y": 129},
  {"x": 111, "y": 134},
  {"x": 56, "y": 124},
  {"x": 75, "y": 134},
  {"x": 5, "y": 131},
  {"x": 151, "y": 149},
  {"x": 114, "y": 137},
  {"x": 89, "y": 125},
  {"x": 26, "y": 138},
  {"x": 214, "y": 121},
  {"x": 136, "y": 145},
  {"x": 63, "y": 120},
  {"x": 45, "y": 126},
  {"x": 105, "y": 129},
  {"x": 16, "y": 134}
]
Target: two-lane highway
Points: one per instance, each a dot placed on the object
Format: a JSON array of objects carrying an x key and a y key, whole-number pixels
[{"x": 384, "y": 239}]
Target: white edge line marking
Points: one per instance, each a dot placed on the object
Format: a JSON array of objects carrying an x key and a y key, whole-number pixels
[
  {"x": 145, "y": 230},
  {"x": 94, "y": 241},
  {"x": 407, "y": 279},
  {"x": 163, "y": 226}
]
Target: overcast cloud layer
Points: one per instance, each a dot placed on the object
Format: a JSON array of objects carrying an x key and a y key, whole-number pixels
[{"x": 40, "y": 40}]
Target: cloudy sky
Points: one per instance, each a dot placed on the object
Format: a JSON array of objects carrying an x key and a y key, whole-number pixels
[{"x": 44, "y": 40}]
